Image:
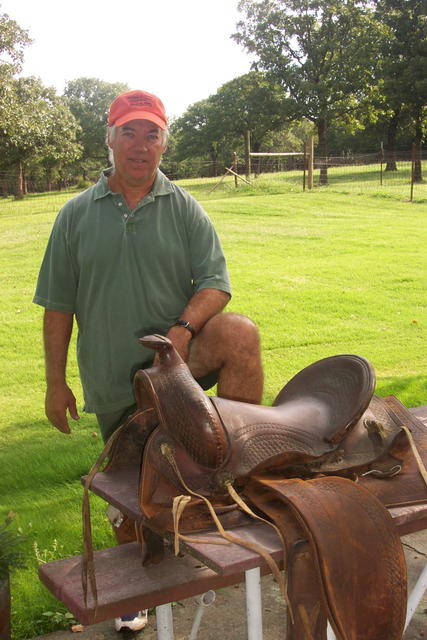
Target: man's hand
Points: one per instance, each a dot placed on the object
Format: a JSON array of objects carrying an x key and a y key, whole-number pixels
[
  {"x": 58, "y": 399},
  {"x": 200, "y": 308},
  {"x": 180, "y": 338}
]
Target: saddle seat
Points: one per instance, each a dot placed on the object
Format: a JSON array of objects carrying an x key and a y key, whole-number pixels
[{"x": 309, "y": 418}]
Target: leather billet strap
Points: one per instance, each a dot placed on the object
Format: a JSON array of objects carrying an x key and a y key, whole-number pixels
[
  {"x": 356, "y": 552},
  {"x": 88, "y": 567}
]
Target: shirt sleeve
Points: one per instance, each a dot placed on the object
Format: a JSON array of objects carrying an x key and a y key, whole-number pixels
[
  {"x": 209, "y": 268},
  {"x": 57, "y": 282}
]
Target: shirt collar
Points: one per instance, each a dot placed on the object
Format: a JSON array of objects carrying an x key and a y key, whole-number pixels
[{"x": 161, "y": 187}]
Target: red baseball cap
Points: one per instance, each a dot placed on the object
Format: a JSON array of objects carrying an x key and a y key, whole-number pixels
[{"x": 137, "y": 105}]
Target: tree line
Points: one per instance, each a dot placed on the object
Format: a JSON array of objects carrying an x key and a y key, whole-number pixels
[{"x": 352, "y": 72}]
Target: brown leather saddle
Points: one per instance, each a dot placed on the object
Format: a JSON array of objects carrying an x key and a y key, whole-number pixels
[{"x": 321, "y": 464}]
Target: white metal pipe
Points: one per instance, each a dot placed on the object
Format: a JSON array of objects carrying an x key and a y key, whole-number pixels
[
  {"x": 204, "y": 600},
  {"x": 253, "y": 603},
  {"x": 416, "y": 595},
  {"x": 164, "y": 622}
]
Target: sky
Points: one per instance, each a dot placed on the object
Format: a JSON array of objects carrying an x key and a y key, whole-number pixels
[{"x": 178, "y": 49}]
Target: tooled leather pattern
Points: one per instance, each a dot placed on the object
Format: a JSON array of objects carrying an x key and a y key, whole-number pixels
[
  {"x": 311, "y": 497},
  {"x": 262, "y": 442},
  {"x": 190, "y": 419},
  {"x": 395, "y": 574}
]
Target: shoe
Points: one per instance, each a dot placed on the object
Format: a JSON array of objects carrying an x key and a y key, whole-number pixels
[{"x": 133, "y": 622}]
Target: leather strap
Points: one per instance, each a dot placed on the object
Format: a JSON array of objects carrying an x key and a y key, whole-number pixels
[{"x": 139, "y": 421}]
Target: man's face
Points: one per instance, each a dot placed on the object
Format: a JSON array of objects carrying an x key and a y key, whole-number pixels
[{"x": 137, "y": 147}]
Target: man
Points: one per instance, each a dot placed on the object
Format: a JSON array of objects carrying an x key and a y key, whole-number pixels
[{"x": 133, "y": 255}]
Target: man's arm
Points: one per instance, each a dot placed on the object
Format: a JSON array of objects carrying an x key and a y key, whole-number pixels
[
  {"x": 57, "y": 329},
  {"x": 201, "y": 307}
]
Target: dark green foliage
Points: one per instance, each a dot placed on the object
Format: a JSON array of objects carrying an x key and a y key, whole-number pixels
[
  {"x": 215, "y": 128},
  {"x": 13, "y": 39},
  {"x": 11, "y": 557},
  {"x": 354, "y": 69},
  {"x": 402, "y": 77},
  {"x": 89, "y": 100},
  {"x": 322, "y": 53},
  {"x": 36, "y": 126}
]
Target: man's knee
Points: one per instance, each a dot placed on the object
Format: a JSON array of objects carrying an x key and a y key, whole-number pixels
[
  {"x": 227, "y": 339},
  {"x": 236, "y": 331},
  {"x": 238, "y": 349}
]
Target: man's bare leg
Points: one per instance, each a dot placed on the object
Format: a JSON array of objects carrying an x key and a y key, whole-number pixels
[{"x": 230, "y": 344}]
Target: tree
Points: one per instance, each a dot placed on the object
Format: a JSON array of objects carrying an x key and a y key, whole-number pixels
[
  {"x": 89, "y": 100},
  {"x": 403, "y": 64},
  {"x": 322, "y": 52},
  {"x": 244, "y": 109},
  {"x": 250, "y": 106},
  {"x": 13, "y": 39},
  {"x": 290, "y": 137},
  {"x": 59, "y": 147},
  {"x": 197, "y": 134},
  {"x": 35, "y": 123}
]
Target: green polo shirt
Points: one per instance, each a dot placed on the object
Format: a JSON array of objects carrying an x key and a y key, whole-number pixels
[{"x": 126, "y": 274}]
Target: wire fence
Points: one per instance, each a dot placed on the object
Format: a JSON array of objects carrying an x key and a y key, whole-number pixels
[{"x": 347, "y": 173}]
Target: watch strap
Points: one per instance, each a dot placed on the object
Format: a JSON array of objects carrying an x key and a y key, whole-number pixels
[{"x": 186, "y": 325}]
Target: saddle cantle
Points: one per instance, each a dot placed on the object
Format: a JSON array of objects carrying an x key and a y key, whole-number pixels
[{"x": 295, "y": 463}]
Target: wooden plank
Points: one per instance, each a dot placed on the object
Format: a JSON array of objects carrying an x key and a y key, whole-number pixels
[
  {"x": 125, "y": 586},
  {"x": 420, "y": 413},
  {"x": 409, "y": 519},
  {"x": 119, "y": 488},
  {"x": 234, "y": 558}
]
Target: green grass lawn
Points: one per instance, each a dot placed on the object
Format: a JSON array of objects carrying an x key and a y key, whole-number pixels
[{"x": 321, "y": 272}]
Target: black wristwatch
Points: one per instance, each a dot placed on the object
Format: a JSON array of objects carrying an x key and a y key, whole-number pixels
[{"x": 186, "y": 325}]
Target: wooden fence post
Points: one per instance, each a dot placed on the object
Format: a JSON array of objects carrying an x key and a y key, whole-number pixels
[
  {"x": 234, "y": 167},
  {"x": 248, "y": 154},
  {"x": 310, "y": 162},
  {"x": 304, "y": 166}
]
